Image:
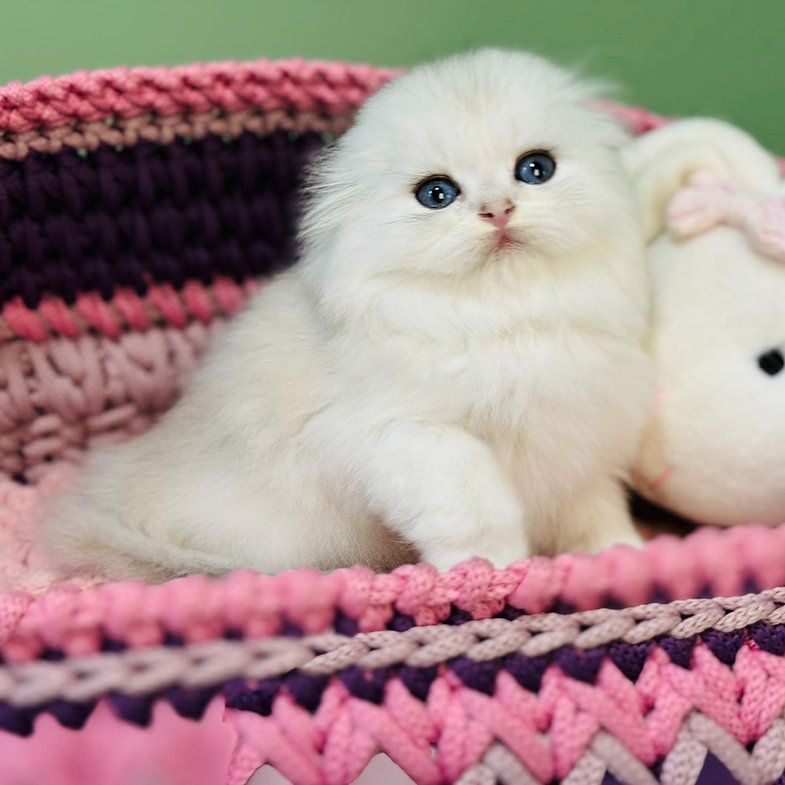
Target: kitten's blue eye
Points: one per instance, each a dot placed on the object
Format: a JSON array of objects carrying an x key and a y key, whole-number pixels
[
  {"x": 535, "y": 168},
  {"x": 437, "y": 192}
]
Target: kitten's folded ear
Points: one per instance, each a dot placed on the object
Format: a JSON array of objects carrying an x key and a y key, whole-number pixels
[{"x": 660, "y": 162}]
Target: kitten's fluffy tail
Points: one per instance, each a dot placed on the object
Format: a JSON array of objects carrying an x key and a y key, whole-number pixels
[{"x": 100, "y": 543}]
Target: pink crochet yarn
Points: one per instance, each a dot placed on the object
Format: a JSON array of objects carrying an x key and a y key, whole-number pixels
[
  {"x": 553, "y": 668},
  {"x": 294, "y": 85},
  {"x": 196, "y": 608},
  {"x": 610, "y": 726},
  {"x": 171, "y": 751},
  {"x": 127, "y": 310}
]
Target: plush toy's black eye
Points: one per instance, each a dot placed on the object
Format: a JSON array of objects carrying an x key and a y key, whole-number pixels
[
  {"x": 771, "y": 362},
  {"x": 535, "y": 168},
  {"x": 437, "y": 192}
]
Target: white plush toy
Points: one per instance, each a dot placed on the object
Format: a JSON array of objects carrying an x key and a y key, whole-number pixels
[{"x": 714, "y": 212}]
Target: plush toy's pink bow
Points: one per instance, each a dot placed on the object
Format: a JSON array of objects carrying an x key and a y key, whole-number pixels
[{"x": 709, "y": 201}]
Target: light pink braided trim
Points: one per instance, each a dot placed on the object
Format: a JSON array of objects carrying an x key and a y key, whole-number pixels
[
  {"x": 294, "y": 85},
  {"x": 154, "y": 668},
  {"x": 162, "y": 305}
]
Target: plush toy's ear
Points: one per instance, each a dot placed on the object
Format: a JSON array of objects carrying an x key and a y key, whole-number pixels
[{"x": 660, "y": 162}]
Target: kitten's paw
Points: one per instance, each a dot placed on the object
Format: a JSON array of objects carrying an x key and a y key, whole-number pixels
[
  {"x": 500, "y": 550},
  {"x": 597, "y": 519},
  {"x": 487, "y": 524},
  {"x": 607, "y": 539},
  {"x": 456, "y": 505}
]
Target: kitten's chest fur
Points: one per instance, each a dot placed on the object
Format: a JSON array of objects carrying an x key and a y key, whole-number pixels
[
  {"x": 535, "y": 355},
  {"x": 507, "y": 383},
  {"x": 554, "y": 388}
]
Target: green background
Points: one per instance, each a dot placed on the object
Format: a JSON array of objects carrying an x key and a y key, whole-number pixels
[{"x": 720, "y": 57}]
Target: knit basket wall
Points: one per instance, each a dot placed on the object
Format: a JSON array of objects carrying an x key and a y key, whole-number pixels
[{"x": 138, "y": 211}]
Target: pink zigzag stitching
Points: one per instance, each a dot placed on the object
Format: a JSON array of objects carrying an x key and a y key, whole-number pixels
[
  {"x": 549, "y": 734},
  {"x": 668, "y": 709}
]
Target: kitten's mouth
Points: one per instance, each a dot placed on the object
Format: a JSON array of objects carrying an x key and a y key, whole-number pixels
[{"x": 504, "y": 241}]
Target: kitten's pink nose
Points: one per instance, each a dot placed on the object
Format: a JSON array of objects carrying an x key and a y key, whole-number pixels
[{"x": 498, "y": 212}]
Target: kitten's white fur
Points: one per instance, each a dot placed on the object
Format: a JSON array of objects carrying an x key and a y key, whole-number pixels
[{"x": 406, "y": 384}]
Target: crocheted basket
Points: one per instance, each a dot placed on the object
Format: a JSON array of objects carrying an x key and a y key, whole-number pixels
[{"x": 138, "y": 209}]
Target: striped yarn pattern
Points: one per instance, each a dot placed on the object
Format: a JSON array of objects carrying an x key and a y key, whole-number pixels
[
  {"x": 642, "y": 693},
  {"x": 99, "y": 372},
  {"x": 110, "y": 178},
  {"x": 148, "y": 213},
  {"x": 297, "y": 86},
  {"x": 139, "y": 209}
]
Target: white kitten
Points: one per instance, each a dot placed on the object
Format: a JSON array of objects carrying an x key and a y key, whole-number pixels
[{"x": 456, "y": 364}]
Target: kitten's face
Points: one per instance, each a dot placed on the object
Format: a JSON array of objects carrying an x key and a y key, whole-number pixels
[{"x": 468, "y": 161}]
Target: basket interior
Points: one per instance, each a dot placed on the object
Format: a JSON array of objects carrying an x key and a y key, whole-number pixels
[{"x": 125, "y": 244}]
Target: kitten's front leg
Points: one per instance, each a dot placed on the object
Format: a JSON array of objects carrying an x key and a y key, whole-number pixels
[
  {"x": 597, "y": 518},
  {"x": 444, "y": 492}
]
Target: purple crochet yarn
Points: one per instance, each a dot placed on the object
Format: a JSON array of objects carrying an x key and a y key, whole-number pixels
[
  {"x": 712, "y": 773},
  {"x": 724, "y": 645},
  {"x": 69, "y": 714},
  {"x": 16, "y": 720},
  {"x": 306, "y": 690},
  {"x": 137, "y": 709},
  {"x": 581, "y": 665},
  {"x": 679, "y": 650},
  {"x": 401, "y": 622},
  {"x": 169, "y": 213},
  {"x": 480, "y": 676},
  {"x": 188, "y": 702},
  {"x": 770, "y": 637},
  {"x": 418, "y": 680},
  {"x": 715, "y": 773},
  {"x": 527, "y": 671},
  {"x": 259, "y": 699},
  {"x": 368, "y": 685},
  {"x": 629, "y": 658},
  {"x": 345, "y": 625}
]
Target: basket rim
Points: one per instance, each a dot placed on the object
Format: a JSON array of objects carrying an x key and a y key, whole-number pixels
[
  {"x": 77, "y": 619},
  {"x": 88, "y": 96}
]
